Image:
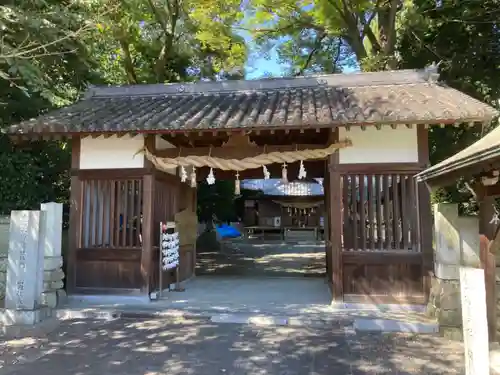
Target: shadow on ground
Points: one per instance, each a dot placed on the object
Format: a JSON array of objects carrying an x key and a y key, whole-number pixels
[
  {"x": 145, "y": 346},
  {"x": 265, "y": 259}
]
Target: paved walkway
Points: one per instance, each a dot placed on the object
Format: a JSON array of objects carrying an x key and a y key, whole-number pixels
[{"x": 200, "y": 347}]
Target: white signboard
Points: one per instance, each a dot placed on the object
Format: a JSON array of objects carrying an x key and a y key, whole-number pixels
[
  {"x": 170, "y": 250},
  {"x": 474, "y": 320}
]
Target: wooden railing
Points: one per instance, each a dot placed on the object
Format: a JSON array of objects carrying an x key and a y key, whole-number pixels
[
  {"x": 111, "y": 213},
  {"x": 379, "y": 212}
]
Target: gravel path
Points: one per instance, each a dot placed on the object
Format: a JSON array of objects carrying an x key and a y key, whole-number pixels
[
  {"x": 199, "y": 347},
  {"x": 274, "y": 259}
]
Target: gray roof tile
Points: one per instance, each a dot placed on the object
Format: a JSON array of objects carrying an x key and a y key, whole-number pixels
[{"x": 338, "y": 99}]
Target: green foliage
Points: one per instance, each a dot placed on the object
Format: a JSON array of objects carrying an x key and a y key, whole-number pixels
[
  {"x": 153, "y": 41},
  {"x": 464, "y": 37},
  {"x": 331, "y": 32},
  {"x": 32, "y": 173},
  {"x": 42, "y": 48},
  {"x": 50, "y": 50},
  {"x": 216, "y": 202}
]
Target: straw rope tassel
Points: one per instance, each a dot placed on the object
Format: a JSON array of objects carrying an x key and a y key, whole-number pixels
[{"x": 245, "y": 163}]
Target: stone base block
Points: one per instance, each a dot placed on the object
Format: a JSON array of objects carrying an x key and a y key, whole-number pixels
[
  {"x": 53, "y": 275},
  {"x": 49, "y": 286},
  {"x": 49, "y": 299},
  {"x": 4, "y": 262},
  {"x": 52, "y": 263},
  {"x": 444, "y": 303},
  {"x": 452, "y": 333},
  {"x": 40, "y": 329},
  {"x": 62, "y": 297},
  {"x": 54, "y": 298},
  {"x": 9, "y": 317}
]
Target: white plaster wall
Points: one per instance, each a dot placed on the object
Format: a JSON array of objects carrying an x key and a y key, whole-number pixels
[
  {"x": 112, "y": 152},
  {"x": 386, "y": 145}
]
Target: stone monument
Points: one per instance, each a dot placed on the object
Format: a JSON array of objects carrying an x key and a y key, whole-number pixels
[{"x": 24, "y": 279}]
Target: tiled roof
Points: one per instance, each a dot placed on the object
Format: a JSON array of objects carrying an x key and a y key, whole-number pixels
[
  {"x": 322, "y": 101},
  {"x": 484, "y": 151}
]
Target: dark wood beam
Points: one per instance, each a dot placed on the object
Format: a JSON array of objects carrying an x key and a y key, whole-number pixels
[
  {"x": 148, "y": 193},
  {"x": 75, "y": 214},
  {"x": 147, "y": 263},
  {"x": 381, "y": 168},
  {"x": 492, "y": 191},
  {"x": 233, "y": 152},
  {"x": 335, "y": 208},
  {"x": 425, "y": 212}
]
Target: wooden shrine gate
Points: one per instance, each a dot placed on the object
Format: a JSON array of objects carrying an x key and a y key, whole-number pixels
[{"x": 378, "y": 257}]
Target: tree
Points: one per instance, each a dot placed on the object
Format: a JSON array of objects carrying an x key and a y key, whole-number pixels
[
  {"x": 50, "y": 51},
  {"x": 155, "y": 41},
  {"x": 43, "y": 64},
  {"x": 365, "y": 28},
  {"x": 464, "y": 37},
  {"x": 42, "y": 48}
]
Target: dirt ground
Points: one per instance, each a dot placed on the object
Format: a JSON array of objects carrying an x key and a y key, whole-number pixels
[{"x": 263, "y": 259}]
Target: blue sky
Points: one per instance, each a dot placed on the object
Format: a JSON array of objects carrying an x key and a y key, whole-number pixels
[{"x": 260, "y": 66}]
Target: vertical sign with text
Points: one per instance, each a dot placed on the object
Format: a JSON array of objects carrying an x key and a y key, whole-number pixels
[
  {"x": 23, "y": 260},
  {"x": 475, "y": 324}
]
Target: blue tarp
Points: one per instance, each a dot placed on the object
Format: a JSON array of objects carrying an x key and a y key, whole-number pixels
[{"x": 227, "y": 231}]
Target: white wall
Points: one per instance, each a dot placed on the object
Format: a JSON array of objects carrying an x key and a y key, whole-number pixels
[
  {"x": 112, "y": 152},
  {"x": 386, "y": 145}
]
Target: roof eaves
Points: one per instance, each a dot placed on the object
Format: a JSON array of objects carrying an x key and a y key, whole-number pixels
[{"x": 439, "y": 171}]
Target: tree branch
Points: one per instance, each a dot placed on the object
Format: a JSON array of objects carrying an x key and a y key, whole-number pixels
[
  {"x": 127, "y": 59},
  {"x": 317, "y": 46},
  {"x": 25, "y": 51},
  {"x": 337, "y": 57}
]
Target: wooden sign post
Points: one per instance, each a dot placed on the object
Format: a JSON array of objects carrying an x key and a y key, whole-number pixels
[{"x": 475, "y": 326}]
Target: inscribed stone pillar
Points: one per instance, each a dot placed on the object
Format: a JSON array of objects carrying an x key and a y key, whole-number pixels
[
  {"x": 23, "y": 276},
  {"x": 52, "y": 273},
  {"x": 53, "y": 228}
]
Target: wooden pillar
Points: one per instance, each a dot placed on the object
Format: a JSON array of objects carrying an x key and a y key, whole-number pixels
[
  {"x": 147, "y": 219},
  {"x": 326, "y": 224},
  {"x": 486, "y": 211},
  {"x": 425, "y": 236},
  {"x": 425, "y": 212},
  {"x": 335, "y": 221},
  {"x": 488, "y": 232},
  {"x": 75, "y": 216}
]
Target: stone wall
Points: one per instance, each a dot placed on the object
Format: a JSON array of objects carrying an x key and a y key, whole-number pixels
[
  {"x": 53, "y": 277},
  {"x": 4, "y": 234},
  {"x": 3, "y": 276}
]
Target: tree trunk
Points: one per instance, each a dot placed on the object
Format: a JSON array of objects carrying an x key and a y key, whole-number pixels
[{"x": 129, "y": 65}]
